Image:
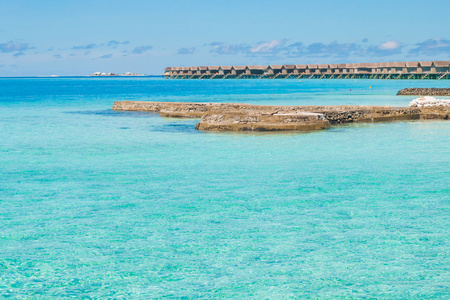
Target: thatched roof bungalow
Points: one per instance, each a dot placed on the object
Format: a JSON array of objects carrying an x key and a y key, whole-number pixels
[
  {"x": 342, "y": 68},
  {"x": 425, "y": 66},
  {"x": 372, "y": 67},
  {"x": 354, "y": 67},
  {"x": 224, "y": 70},
  {"x": 184, "y": 70},
  {"x": 312, "y": 69},
  {"x": 400, "y": 67},
  {"x": 323, "y": 68},
  {"x": 334, "y": 68},
  {"x": 213, "y": 70},
  {"x": 300, "y": 69},
  {"x": 442, "y": 66},
  {"x": 364, "y": 68},
  {"x": 256, "y": 70},
  {"x": 288, "y": 69},
  {"x": 174, "y": 71},
  {"x": 384, "y": 68},
  {"x": 274, "y": 69},
  {"x": 167, "y": 71},
  {"x": 351, "y": 68},
  {"x": 411, "y": 66},
  {"x": 391, "y": 67},
  {"x": 237, "y": 70},
  {"x": 378, "y": 68},
  {"x": 195, "y": 71},
  {"x": 203, "y": 69}
]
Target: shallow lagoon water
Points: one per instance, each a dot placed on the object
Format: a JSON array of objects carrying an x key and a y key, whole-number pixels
[{"x": 96, "y": 203}]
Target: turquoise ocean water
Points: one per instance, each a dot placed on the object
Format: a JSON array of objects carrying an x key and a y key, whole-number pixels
[{"x": 102, "y": 204}]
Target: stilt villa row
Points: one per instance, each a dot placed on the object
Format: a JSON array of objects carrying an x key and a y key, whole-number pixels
[{"x": 387, "y": 70}]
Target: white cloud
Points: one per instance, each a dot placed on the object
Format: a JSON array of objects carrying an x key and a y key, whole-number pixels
[
  {"x": 267, "y": 47},
  {"x": 141, "y": 49},
  {"x": 222, "y": 48},
  {"x": 390, "y": 45},
  {"x": 186, "y": 50},
  {"x": 13, "y": 47},
  {"x": 432, "y": 47}
]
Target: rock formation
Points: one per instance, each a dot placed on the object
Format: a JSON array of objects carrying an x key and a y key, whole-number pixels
[
  {"x": 432, "y": 108},
  {"x": 247, "y": 117},
  {"x": 424, "y": 92},
  {"x": 238, "y": 121}
]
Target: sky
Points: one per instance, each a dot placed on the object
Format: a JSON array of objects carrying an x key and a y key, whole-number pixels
[{"x": 67, "y": 37}]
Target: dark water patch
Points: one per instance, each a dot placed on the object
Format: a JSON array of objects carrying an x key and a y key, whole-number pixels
[
  {"x": 177, "y": 127},
  {"x": 113, "y": 113}
]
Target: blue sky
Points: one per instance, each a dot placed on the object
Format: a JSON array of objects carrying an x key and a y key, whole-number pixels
[{"x": 67, "y": 37}]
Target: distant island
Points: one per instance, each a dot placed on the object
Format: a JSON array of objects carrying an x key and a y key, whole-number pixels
[{"x": 114, "y": 74}]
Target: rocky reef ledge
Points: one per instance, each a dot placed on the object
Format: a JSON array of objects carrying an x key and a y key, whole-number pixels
[
  {"x": 424, "y": 92},
  {"x": 247, "y": 117}
]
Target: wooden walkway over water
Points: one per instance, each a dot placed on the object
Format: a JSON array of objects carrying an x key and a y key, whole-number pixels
[{"x": 435, "y": 70}]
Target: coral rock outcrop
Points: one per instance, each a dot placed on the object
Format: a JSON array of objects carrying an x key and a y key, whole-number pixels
[
  {"x": 424, "y": 92},
  {"x": 247, "y": 117},
  {"x": 237, "y": 121}
]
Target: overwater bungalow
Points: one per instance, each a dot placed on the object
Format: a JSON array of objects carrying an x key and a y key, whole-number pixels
[
  {"x": 425, "y": 66},
  {"x": 400, "y": 66},
  {"x": 312, "y": 69},
  {"x": 185, "y": 71},
  {"x": 334, "y": 68},
  {"x": 385, "y": 70},
  {"x": 342, "y": 68},
  {"x": 323, "y": 68},
  {"x": 389, "y": 67},
  {"x": 257, "y": 71},
  {"x": 364, "y": 68},
  {"x": 238, "y": 71},
  {"x": 203, "y": 71},
  {"x": 167, "y": 71},
  {"x": 442, "y": 66},
  {"x": 300, "y": 69},
  {"x": 179, "y": 71},
  {"x": 213, "y": 71},
  {"x": 376, "y": 68},
  {"x": 274, "y": 70},
  {"x": 411, "y": 66},
  {"x": 194, "y": 72},
  {"x": 288, "y": 70},
  {"x": 350, "y": 68},
  {"x": 224, "y": 71}
]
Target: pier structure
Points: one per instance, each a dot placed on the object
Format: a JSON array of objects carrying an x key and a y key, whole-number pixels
[{"x": 409, "y": 70}]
